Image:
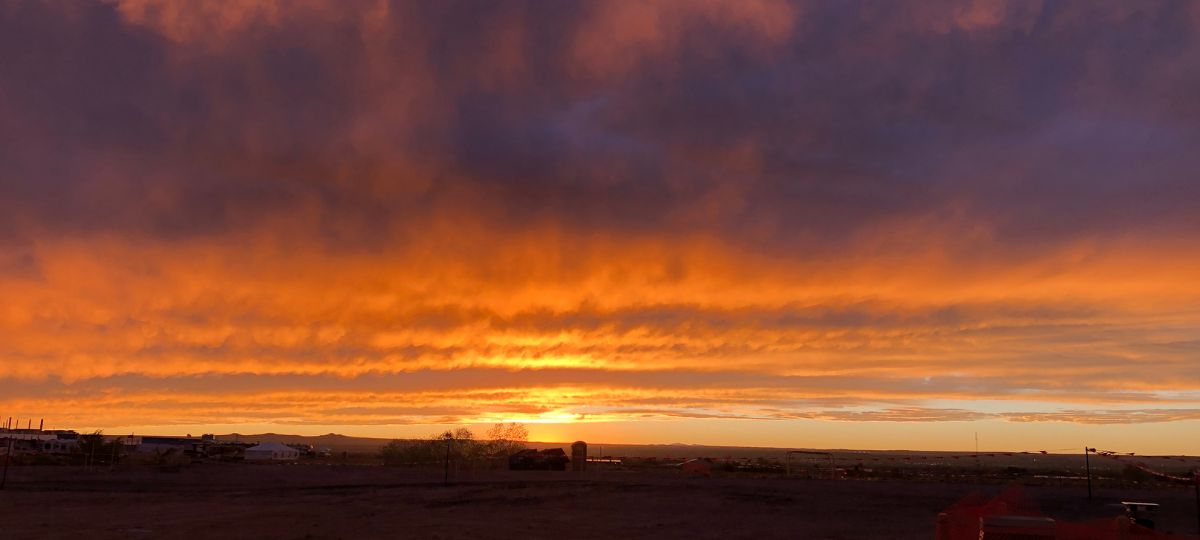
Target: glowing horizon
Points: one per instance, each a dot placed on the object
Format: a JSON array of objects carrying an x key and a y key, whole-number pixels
[{"x": 721, "y": 221}]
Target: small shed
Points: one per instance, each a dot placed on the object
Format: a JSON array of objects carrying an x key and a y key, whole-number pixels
[{"x": 272, "y": 451}]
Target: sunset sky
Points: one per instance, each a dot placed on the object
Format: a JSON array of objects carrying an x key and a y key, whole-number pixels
[{"x": 813, "y": 224}]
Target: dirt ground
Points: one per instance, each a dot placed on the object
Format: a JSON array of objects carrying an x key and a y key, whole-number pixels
[{"x": 230, "y": 501}]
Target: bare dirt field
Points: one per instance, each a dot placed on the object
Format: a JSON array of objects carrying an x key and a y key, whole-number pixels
[{"x": 229, "y": 501}]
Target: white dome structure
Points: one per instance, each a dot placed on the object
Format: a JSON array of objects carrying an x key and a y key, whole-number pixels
[{"x": 272, "y": 451}]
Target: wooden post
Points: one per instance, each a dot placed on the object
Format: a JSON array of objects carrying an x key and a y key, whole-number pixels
[{"x": 1087, "y": 463}]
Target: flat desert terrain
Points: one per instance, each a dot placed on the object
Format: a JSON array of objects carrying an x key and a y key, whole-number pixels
[{"x": 234, "y": 500}]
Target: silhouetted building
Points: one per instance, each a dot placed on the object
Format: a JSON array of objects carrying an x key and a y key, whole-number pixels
[
  {"x": 550, "y": 459},
  {"x": 157, "y": 445}
]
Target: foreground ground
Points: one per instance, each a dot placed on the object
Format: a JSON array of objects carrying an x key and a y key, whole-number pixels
[{"x": 231, "y": 501}]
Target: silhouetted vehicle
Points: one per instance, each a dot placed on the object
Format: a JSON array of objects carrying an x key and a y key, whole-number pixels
[
  {"x": 1141, "y": 513},
  {"x": 550, "y": 459}
]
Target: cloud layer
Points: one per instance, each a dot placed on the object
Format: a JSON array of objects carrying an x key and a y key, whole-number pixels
[{"x": 376, "y": 212}]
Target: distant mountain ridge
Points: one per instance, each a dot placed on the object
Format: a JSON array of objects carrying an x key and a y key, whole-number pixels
[
  {"x": 338, "y": 443},
  {"x": 346, "y": 443}
]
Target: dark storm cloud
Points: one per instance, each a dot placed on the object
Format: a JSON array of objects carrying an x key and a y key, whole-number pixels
[{"x": 1045, "y": 122}]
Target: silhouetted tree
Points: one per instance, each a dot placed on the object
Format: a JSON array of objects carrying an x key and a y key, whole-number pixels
[
  {"x": 506, "y": 439},
  {"x": 432, "y": 449},
  {"x": 95, "y": 450},
  {"x": 463, "y": 446}
]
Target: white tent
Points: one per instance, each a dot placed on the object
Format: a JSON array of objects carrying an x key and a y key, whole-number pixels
[{"x": 272, "y": 451}]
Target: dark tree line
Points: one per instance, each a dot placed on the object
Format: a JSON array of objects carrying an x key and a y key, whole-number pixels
[
  {"x": 94, "y": 449},
  {"x": 502, "y": 441}
]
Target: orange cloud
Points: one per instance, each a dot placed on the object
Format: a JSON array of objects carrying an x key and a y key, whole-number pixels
[
  {"x": 618, "y": 36},
  {"x": 757, "y": 210}
]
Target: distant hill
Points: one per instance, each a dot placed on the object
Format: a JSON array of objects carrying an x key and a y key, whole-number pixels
[{"x": 339, "y": 443}]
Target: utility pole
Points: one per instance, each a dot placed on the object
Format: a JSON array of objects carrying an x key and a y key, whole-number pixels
[
  {"x": 978, "y": 465},
  {"x": 446, "y": 475},
  {"x": 1087, "y": 463},
  {"x": 113, "y": 462}
]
